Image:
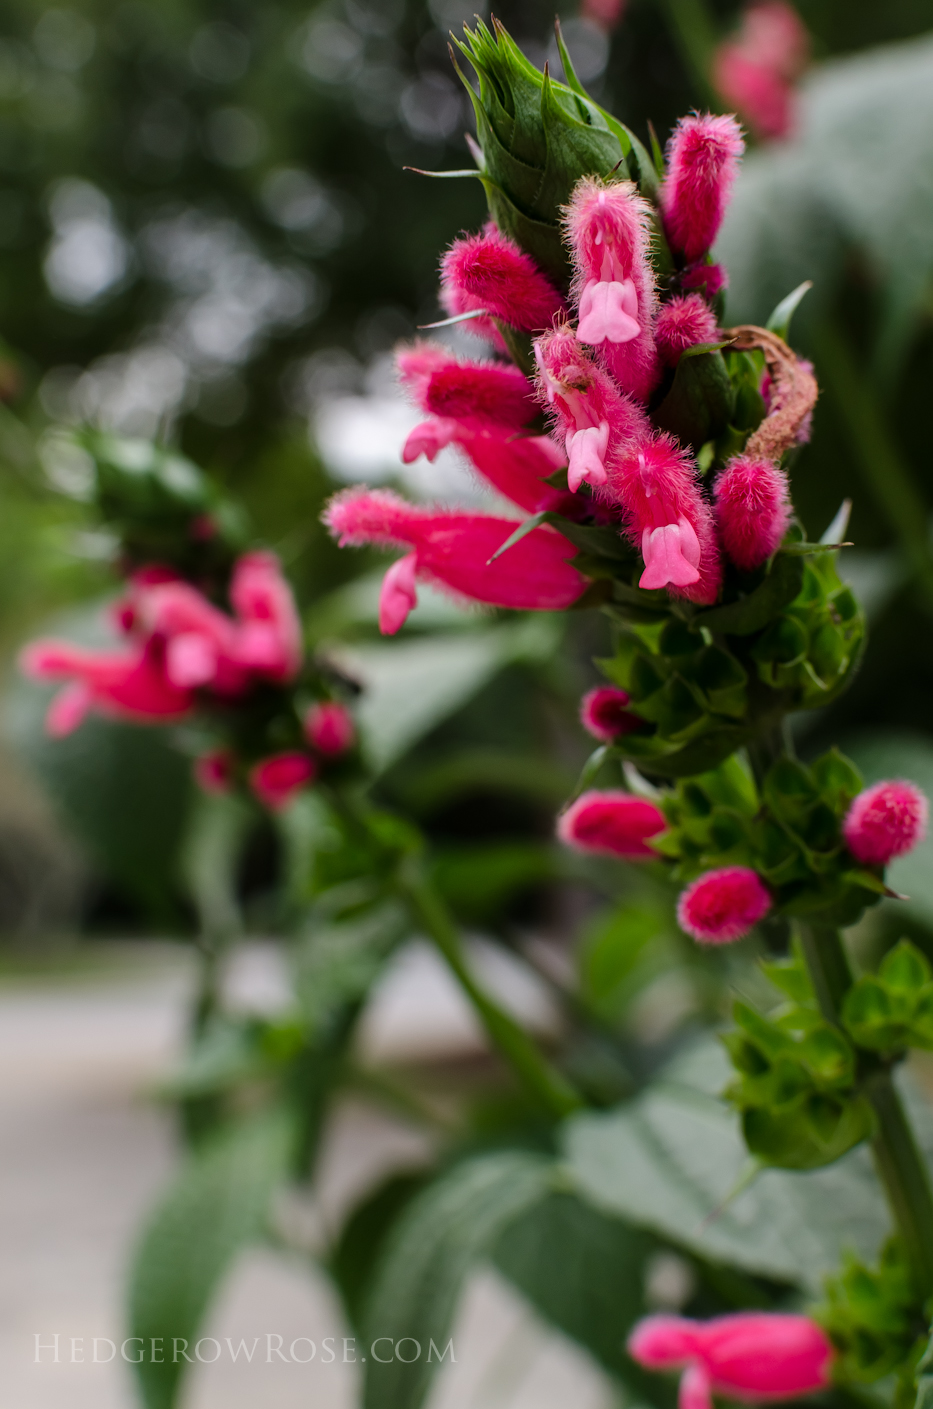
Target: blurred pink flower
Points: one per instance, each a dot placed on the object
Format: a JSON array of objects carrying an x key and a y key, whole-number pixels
[
  {"x": 757, "y": 69},
  {"x": 723, "y": 905},
  {"x": 885, "y": 821},
  {"x": 276, "y": 780},
  {"x": 603, "y": 713},
  {"x": 329, "y": 728},
  {"x": 611, "y": 823}
]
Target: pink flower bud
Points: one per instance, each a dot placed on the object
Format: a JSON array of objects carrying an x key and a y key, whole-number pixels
[
  {"x": 603, "y": 713},
  {"x": 723, "y": 905},
  {"x": 491, "y": 272},
  {"x": 269, "y": 639},
  {"x": 755, "y": 71},
  {"x": 456, "y": 550},
  {"x": 329, "y": 728},
  {"x": 213, "y": 772},
  {"x": 276, "y": 780},
  {"x": 608, "y": 228},
  {"x": 611, "y": 823},
  {"x": 753, "y": 510},
  {"x": 885, "y": 821},
  {"x": 752, "y": 1356},
  {"x": 684, "y": 322},
  {"x": 702, "y": 161}
]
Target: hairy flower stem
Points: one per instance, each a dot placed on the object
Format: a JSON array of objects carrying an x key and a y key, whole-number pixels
[
  {"x": 882, "y": 465},
  {"x": 536, "y": 1074},
  {"x": 898, "y": 1162}
]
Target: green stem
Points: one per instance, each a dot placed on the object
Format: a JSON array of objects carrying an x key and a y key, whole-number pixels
[
  {"x": 882, "y": 465},
  {"x": 539, "y": 1078},
  {"x": 898, "y": 1161},
  {"x": 694, "y": 33}
]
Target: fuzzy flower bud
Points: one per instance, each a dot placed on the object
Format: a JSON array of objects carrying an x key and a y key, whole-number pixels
[
  {"x": 603, "y": 713},
  {"x": 492, "y": 272},
  {"x": 753, "y": 510},
  {"x": 611, "y": 823},
  {"x": 455, "y": 550},
  {"x": 608, "y": 230},
  {"x": 885, "y": 821},
  {"x": 702, "y": 161},
  {"x": 723, "y": 905},
  {"x": 329, "y": 728},
  {"x": 752, "y": 1356},
  {"x": 276, "y": 780},
  {"x": 684, "y": 322}
]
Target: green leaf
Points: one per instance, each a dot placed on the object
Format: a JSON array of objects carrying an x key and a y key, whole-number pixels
[
  {"x": 780, "y": 319},
  {"x": 363, "y": 1238},
  {"x": 701, "y": 400},
  {"x": 335, "y": 963},
  {"x": 439, "y": 1239},
  {"x": 216, "y": 1206},
  {"x": 523, "y": 529},
  {"x": 669, "y": 1160},
  {"x": 584, "y": 1273},
  {"x": 755, "y": 611}
]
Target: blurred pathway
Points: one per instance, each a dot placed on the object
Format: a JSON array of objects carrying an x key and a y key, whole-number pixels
[{"x": 82, "y": 1155}]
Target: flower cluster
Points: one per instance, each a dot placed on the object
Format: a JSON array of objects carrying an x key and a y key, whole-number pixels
[{"x": 227, "y": 652}]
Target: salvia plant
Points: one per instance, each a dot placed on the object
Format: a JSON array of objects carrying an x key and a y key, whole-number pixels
[{"x": 647, "y": 449}]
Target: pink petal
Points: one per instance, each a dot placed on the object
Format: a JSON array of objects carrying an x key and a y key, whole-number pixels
[
  {"x": 607, "y": 312},
  {"x": 398, "y": 595},
  {"x": 671, "y": 554}
]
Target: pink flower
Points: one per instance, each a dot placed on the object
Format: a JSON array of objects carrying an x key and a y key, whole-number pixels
[
  {"x": 723, "y": 905},
  {"x": 329, "y": 728},
  {"x": 129, "y": 684},
  {"x": 752, "y": 1356},
  {"x": 595, "y": 419},
  {"x": 668, "y": 518},
  {"x": 684, "y": 322},
  {"x": 885, "y": 821},
  {"x": 268, "y": 639},
  {"x": 702, "y": 161},
  {"x": 608, "y": 228},
  {"x": 611, "y": 823},
  {"x": 454, "y": 550},
  {"x": 491, "y": 272},
  {"x": 481, "y": 407},
  {"x": 200, "y": 639},
  {"x": 603, "y": 713},
  {"x": 213, "y": 772},
  {"x": 755, "y": 71},
  {"x": 753, "y": 510},
  {"x": 276, "y": 780}
]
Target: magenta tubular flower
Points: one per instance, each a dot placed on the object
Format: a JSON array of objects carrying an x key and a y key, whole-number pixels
[
  {"x": 482, "y": 407},
  {"x": 885, "y": 821},
  {"x": 753, "y": 510},
  {"x": 128, "y": 684},
  {"x": 329, "y": 729},
  {"x": 604, "y": 715},
  {"x": 491, "y": 272},
  {"x": 453, "y": 550},
  {"x": 752, "y": 1356},
  {"x": 755, "y": 72},
  {"x": 611, "y": 823},
  {"x": 668, "y": 518},
  {"x": 200, "y": 641},
  {"x": 213, "y": 772},
  {"x": 276, "y": 780},
  {"x": 686, "y": 321},
  {"x": 723, "y": 905},
  {"x": 702, "y": 161},
  {"x": 268, "y": 638},
  {"x": 608, "y": 229},
  {"x": 595, "y": 419}
]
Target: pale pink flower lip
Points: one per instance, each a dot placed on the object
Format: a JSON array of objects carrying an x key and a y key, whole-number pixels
[{"x": 608, "y": 312}]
